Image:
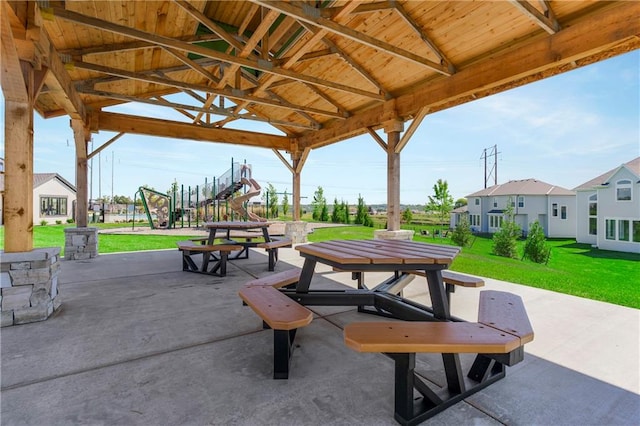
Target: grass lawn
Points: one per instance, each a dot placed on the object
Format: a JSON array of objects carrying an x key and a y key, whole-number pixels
[{"x": 575, "y": 269}]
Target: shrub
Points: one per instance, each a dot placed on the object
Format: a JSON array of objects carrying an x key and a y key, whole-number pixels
[
  {"x": 70, "y": 220},
  {"x": 58, "y": 222},
  {"x": 505, "y": 241},
  {"x": 535, "y": 248},
  {"x": 43, "y": 222},
  {"x": 462, "y": 234}
]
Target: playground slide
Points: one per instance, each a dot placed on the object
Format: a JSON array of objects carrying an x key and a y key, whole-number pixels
[{"x": 237, "y": 204}]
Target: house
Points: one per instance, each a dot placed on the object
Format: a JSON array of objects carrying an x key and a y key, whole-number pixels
[
  {"x": 54, "y": 198},
  {"x": 531, "y": 200},
  {"x": 608, "y": 209},
  {"x": 457, "y": 215}
]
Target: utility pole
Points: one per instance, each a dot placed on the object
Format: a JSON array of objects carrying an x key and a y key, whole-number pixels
[
  {"x": 112, "y": 163},
  {"x": 493, "y": 171}
]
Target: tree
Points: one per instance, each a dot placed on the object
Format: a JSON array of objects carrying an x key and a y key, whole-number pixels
[
  {"x": 462, "y": 234},
  {"x": 319, "y": 204},
  {"x": 336, "y": 214},
  {"x": 441, "y": 202},
  {"x": 285, "y": 203},
  {"x": 407, "y": 215},
  {"x": 505, "y": 241},
  {"x": 535, "y": 248},
  {"x": 122, "y": 199},
  {"x": 345, "y": 212},
  {"x": 272, "y": 197},
  {"x": 460, "y": 202},
  {"x": 362, "y": 213}
]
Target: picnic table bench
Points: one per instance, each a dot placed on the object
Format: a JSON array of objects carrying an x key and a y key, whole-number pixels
[
  {"x": 278, "y": 312},
  {"x": 499, "y": 336},
  {"x": 272, "y": 249},
  {"x": 192, "y": 248}
]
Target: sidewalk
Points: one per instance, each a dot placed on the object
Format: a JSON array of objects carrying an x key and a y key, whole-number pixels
[{"x": 139, "y": 342}]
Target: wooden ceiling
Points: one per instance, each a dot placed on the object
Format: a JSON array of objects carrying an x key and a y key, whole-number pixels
[{"x": 317, "y": 71}]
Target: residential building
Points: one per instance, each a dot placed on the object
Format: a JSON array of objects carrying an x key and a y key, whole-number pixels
[
  {"x": 608, "y": 209},
  {"x": 531, "y": 200},
  {"x": 54, "y": 198},
  {"x": 457, "y": 215}
]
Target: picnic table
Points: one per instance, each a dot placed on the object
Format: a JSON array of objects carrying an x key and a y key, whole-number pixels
[{"x": 497, "y": 338}]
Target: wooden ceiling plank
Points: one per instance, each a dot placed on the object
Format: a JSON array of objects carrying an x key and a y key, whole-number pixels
[
  {"x": 615, "y": 25},
  {"x": 193, "y": 65},
  {"x": 423, "y": 35},
  {"x": 550, "y": 25},
  {"x": 131, "y": 45},
  {"x": 260, "y": 65},
  {"x": 114, "y": 122},
  {"x": 311, "y": 15}
]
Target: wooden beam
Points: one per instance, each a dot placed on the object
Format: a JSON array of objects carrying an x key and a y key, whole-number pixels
[
  {"x": 601, "y": 31},
  {"x": 377, "y": 138},
  {"x": 114, "y": 122},
  {"x": 261, "y": 65},
  {"x": 284, "y": 160},
  {"x": 104, "y": 145},
  {"x": 232, "y": 94},
  {"x": 13, "y": 84},
  {"x": 550, "y": 25},
  {"x": 406, "y": 136},
  {"x": 308, "y": 13}
]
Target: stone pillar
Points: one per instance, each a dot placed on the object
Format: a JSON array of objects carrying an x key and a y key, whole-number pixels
[
  {"x": 400, "y": 234},
  {"x": 29, "y": 286},
  {"x": 296, "y": 231},
  {"x": 80, "y": 243}
]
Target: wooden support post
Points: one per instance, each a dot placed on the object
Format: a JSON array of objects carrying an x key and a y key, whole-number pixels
[
  {"x": 18, "y": 199},
  {"x": 393, "y": 130},
  {"x": 81, "y": 137}
]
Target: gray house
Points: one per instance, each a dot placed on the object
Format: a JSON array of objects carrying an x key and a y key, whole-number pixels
[
  {"x": 531, "y": 200},
  {"x": 608, "y": 209}
]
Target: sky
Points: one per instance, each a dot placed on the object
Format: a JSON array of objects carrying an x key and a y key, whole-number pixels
[{"x": 564, "y": 130}]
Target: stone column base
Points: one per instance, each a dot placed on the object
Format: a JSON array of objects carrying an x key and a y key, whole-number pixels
[
  {"x": 80, "y": 243},
  {"x": 402, "y": 234},
  {"x": 296, "y": 231},
  {"x": 29, "y": 286}
]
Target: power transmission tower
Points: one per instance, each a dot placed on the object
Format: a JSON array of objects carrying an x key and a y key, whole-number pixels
[{"x": 492, "y": 171}]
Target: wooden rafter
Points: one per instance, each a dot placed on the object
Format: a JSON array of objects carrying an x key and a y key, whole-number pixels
[
  {"x": 210, "y": 110},
  {"x": 311, "y": 15},
  {"x": 259, "y": 65},
  {"x": 423, "y": 35},
  {"x": 406, "y": 136},
  {"x": 548, "y": 22},
  {"x": 232, "y": 94}
]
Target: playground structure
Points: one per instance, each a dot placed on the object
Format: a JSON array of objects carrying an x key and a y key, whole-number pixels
[{"x": 219, "y": 199}]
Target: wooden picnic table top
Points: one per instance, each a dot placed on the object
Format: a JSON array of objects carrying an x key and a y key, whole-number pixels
[
  {"x": 238, "y": 225},
  {"x": 388, "y": 252}
]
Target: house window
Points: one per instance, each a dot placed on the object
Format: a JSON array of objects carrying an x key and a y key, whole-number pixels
[
  {"x": 495, "y": 202},
  {"x": 610, "y": 225},
  {"x": 554, "y": 210},
  {"x": 53, "y": 206},
  {"x": 636, "y": 231},
  {"x": 593, "y": 214},
  {"x": 520, "y": 200},
  {"x": 563, "y": 212},
  {"x": 623, "y": 190},
  {"x": 474, "y": 220},
  {"x": 623, "y": 230},
  {"x": 477, "y": 201}
]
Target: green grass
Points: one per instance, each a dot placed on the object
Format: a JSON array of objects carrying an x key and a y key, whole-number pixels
[{"x": 575, "y": 269}]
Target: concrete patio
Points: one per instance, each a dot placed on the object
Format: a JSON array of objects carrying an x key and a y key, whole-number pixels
[{"x": 139, "y": 342}]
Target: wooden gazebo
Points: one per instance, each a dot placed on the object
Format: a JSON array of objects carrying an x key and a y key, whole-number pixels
[{"x": 318, "y": 71}]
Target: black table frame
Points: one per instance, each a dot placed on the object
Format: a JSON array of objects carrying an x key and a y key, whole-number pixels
[{"x": 244, "y": 253}]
